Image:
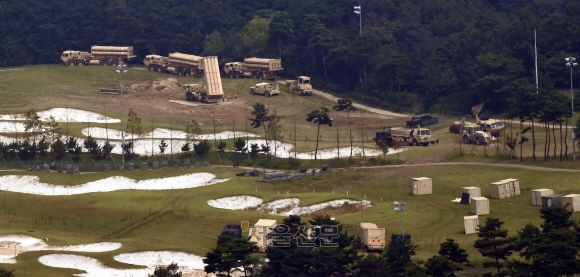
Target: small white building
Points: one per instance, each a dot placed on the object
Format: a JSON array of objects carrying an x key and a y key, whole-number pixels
[
  {"x": 471, "y": 224},
  {"x": 422, "y": 185},
  {"x": 259, "y": 233}
]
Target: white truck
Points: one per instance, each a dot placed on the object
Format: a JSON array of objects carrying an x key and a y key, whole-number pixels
[
  {"x": 370, "y": 236},
  {"x": 99, "y": 55},
  {"x": 177, "y": 63}
]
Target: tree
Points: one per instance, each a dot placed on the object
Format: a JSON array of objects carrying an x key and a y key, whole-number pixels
[
  {"x": 53, "y": 130},
  {"x": 493, "y": 242},
  {"x": 281, "y": 30},
  {"x": 162, "y": 146},
  {"x": 202, "y": 147},
  {"x": 261, "y": 117},
  {"x": 320, "y": 117},
  {"x": 240, "y": 145},
  {"x": 171, "y": 270},
  {"x": 346, "y": 106},
  {"x": 107, "y": 149},
  {"x": 274, "y": 130},
  {"x": 185, "y": 147},
  {"x": 43, "y": 146},
  {"x": 451, "y": 251},
  {"x": 551, "y": 251},
  {"x": 213, "y": 44},
  {"x": 58, "y": 149},
  {"x": 439, "y": 266},
  {"x": 192, "y": 130},
  {"x": 33, "y": 124},
  {"x": 399, "y": 262},
  {"x": 231, "y": 253},
  {"x": 134, "y": 127},
  {"x": 254, "y": 36},
  {"x": 92, "y": 146},
  {"x": 6, "y": 273},
  {"x": 370, "y": 265}
]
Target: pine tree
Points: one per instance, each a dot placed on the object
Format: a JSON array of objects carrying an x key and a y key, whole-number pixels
[{"x": 494, "y": 243}]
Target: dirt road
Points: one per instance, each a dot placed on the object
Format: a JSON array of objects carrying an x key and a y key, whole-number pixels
[{"x": 360, "y": 106}]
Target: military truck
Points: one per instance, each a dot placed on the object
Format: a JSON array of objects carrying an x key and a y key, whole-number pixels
[
  {"x": 493, "y": 126},
  {"x": 472, "y": 133},
  {"x": 422, "y": 120},
  {"x": 257, "y": 68},
  {"x": 99, "y": 55},
  {"x": 370, "y": 236},
  {"x": 266, "y": 89},
  {"x": 301, "y": 86},
  {"x": 177, "y": 63},
  {"x": 211, "y": 91},
  {"x": 405, "y": 136}
]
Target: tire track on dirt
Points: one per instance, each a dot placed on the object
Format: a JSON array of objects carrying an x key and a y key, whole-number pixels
[{"x": 127, "y": 229}]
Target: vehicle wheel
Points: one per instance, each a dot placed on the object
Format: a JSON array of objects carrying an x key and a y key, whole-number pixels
[
  {"x": 426, "y": 144},
  {"x": 252, "y": 92},
  {"x": 267, "y": 94},
  {"x": 180, "y": 73},
  {"x": 105, "y": 63},
  {"x": 81, "y": 63},
  {"x": 114, "y": 63},
  {"x": 238, "y": 75},
  {"x": 231, "y": 75},
  {"x": 187, "y": 72},
  {"x": 158, "y": 69},
  {"x": 151, "y": 68},
  {"x": 71, "y": 63},
  {"x": 465, "y": 140}
]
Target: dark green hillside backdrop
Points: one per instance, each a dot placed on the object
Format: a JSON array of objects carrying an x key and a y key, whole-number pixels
[{"x": 412, "y": 55}]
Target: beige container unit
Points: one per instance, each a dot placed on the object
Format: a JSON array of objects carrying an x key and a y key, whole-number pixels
[
  {"x": 537, "y": 195},
  {"x": 422, "y": 185},
  {"x": 372, "y": 237},
  {"x": 479, "y": 205},
  {"x": 259, "y": 234},
  {"x": 472, "y": 191},
  {"x": 500, "y": 190},
  {"x": 471, "y": 224},
  {"x": 212, "y": 79},
  {"x": 573, "y": 201},
  {"x": 514, "y": 186}
]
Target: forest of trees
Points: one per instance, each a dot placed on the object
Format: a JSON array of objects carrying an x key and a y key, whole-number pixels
[
  {"x": 412, "y": 55},
  {"x": 551, "y": 249}
]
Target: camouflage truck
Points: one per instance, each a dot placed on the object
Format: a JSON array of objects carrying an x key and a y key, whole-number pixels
[
  {"x": 266, "y": 89},
  {"x": 211, "y": 91},
  {"x": 405, "y": 136},
  {"x": 99, "y": 55},
  {"x": 257, "y": 68},
  {"x": 177, "y": 63},
  {"x": 301, "y": 86}
]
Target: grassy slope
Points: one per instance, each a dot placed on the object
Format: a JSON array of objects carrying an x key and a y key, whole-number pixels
[{"x": 186, "y": 223}]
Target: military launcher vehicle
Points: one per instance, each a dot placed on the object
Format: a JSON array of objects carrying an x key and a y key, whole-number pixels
[
  {"x": 99, "y": 55},
  {"x": 301, "y": 86},
  {"x": 211, "y": 91},
  {"x": 177, "y": 63},
  {"x": 257, "y": 68}
]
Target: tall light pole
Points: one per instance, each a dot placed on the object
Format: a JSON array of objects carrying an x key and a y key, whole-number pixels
[
  {"x": 400, "y": 207},
  {"x": 121, "y": 69},
  {"x": 358, "y": 11},
  {"x": 570, "y": 61}
]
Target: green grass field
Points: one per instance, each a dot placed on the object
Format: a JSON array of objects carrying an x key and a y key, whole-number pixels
[{"x": 181, "y": 220}]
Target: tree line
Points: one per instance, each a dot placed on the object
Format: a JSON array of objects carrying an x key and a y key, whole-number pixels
[
  {"x": 549, "y": 250},
  {"x": 415, "y": 56}
]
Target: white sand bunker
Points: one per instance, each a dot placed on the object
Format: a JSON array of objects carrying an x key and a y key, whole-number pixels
[
  {"x": 32, "y": 185},
  {"x": 284, "y": 150},
  {"x": 286, "y": 206},
  {"x": 11, "y": 127},
  {"x": 12, "y": 245},
  {"x": 66, "y": 115},
  {"x": 158, "y": 133},
  {"x": 187, "y": 263},
  {"x": 240, "y": 202}
]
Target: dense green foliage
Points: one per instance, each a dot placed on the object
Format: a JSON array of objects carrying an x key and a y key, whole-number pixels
[{"x": 419, "y": 56}]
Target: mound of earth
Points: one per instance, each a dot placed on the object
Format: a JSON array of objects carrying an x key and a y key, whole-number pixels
[{"x": 157, "y": 85}]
